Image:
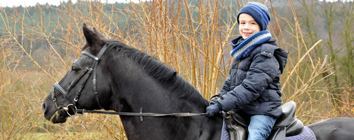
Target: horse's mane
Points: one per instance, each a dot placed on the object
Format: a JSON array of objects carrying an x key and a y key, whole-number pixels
[{"x": 155, "y": 68}]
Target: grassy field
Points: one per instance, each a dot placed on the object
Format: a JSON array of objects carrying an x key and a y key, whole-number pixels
[
  {"x": 68, "y": 135},
  {"x": 197, "y": 47}
]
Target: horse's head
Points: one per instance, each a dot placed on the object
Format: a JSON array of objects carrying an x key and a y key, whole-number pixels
[{"x": 65, "y": 97}]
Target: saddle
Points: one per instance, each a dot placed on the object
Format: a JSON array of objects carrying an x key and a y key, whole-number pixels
[{"x": 286, "y": 125}]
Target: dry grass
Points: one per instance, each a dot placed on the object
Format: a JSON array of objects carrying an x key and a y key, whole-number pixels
[{"x": 197, "y": 46}]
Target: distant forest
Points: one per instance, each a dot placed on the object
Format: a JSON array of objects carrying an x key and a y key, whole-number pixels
[{"x": 49, "y": 14}]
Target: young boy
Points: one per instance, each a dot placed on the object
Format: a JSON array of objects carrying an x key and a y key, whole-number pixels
[{"x": 253, "y": 85}]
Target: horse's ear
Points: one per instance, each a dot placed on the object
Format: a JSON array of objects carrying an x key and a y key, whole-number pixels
[
  {"x": 91, "y": 37},
  {"x": 94, "y": 40},
  {"x": 98, "y": 33}
]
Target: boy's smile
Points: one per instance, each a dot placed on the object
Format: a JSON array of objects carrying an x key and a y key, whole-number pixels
[{"x": 248, "y": 26}]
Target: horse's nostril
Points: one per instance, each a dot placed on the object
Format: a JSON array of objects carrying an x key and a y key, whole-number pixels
[{"x": 43, "y": 105}]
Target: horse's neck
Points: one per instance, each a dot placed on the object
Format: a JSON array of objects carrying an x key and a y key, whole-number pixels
[
  {"x": 156, "y": 99},
  {"x": 169, "y": 128},
  {"x": 143, "y": 91},
  {"x": 149, "y": 95},
  {"x": 137, "y": 91}
]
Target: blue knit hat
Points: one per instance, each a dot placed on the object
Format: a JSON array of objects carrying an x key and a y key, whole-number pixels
[{"x": 258, "y": 11}]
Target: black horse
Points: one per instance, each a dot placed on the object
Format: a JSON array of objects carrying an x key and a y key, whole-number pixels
[{"x": 114, "y": 76}]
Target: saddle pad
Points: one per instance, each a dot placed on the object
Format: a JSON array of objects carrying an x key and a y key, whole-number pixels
[
  {"x": 306, "y": 134},
  {"x": 225, "y": 135}
]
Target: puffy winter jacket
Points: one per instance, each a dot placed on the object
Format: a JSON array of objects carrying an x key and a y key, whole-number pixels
[{"x": 253, "y": 84}]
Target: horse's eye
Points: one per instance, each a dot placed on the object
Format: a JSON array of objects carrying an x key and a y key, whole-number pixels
[{"x": 75, "y": 68}]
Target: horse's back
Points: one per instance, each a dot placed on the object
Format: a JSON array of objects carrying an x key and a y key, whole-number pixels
[{"x": 334, "y": 129}]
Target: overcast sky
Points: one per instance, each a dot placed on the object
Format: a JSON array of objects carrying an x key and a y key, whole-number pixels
[{"x": 11, "y": 3}]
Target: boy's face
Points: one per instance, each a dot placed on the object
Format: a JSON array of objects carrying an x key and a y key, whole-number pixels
[{"x": 247, "y": 26}]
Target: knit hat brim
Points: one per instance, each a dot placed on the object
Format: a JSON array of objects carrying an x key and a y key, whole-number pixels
[{"x": 258, "y": 11}]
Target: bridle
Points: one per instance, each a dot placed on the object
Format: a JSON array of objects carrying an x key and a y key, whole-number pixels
[{"x": 71, "y": 109}]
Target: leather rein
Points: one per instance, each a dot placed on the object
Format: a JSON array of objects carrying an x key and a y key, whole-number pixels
[
  {"x": 72, "y": 110},
  {"x": 141, "y": 114}
]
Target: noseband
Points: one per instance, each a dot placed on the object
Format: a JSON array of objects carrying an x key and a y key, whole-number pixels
[{"x": 71, "y": 108}]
